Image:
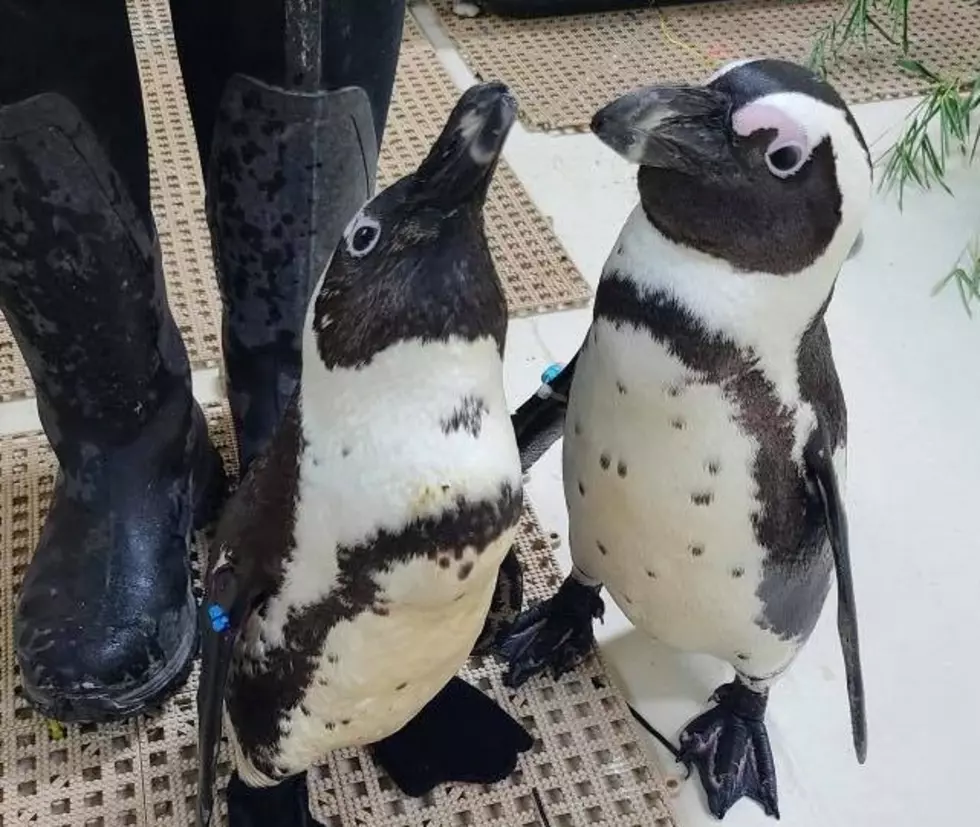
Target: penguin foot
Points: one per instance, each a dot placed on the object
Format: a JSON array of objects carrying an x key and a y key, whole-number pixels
[
  {"x": 285, "y": 805},
  {"x": 461, "y": 736},
  {"x": 729, "y": 746},
  {"x": 555, "y": 634},
  {"x": 505, "y": 605}
]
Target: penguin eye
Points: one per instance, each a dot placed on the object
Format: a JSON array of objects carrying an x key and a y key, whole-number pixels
[
  {"x": 362, "y": 237},
  {"x": 786, "y": 160}
]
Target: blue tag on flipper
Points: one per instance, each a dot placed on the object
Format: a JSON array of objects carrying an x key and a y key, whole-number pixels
[
  {"x": 551, "y": 373},
  {"x": 219, "y": 618}
]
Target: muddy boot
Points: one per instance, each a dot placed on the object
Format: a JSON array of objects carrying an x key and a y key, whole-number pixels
[
  {"x": 289, "y": 142},
  {"x": 105, "y": 623}
]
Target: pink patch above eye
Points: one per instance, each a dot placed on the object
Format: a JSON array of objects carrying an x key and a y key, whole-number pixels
[{"x": 756, "y": 116}]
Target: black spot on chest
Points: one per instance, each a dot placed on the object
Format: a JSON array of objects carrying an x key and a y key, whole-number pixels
[{"x": 466, "y": 416}]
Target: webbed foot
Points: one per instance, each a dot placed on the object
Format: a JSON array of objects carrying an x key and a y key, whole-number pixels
[
  {"x": 555, "y": 635},
  {"x": 729, "y": 746}
]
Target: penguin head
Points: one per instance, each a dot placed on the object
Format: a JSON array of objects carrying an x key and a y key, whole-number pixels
[
  {"x": 414, "y": 262},
  {"x": 763, "y": 166}
]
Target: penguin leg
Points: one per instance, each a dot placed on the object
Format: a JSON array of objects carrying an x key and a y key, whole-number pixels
[
  {"x": 285, "y": 805},
  {"x": 460, "y": 736},
  {"x": 504, "y": 607},
  {"x": 729, "y": 746},
  {"x": 556, "y": 634}
]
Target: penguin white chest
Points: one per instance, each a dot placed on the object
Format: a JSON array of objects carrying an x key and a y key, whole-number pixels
[
  {"x": 659, "y": 484},
  {"x": 380, "y": 668},
  {"x": 401, "y": 527}
]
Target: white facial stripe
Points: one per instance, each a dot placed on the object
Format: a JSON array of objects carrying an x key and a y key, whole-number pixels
[
  {"x": 470, "y": 126},
  {"x": 818, "y": 120}
]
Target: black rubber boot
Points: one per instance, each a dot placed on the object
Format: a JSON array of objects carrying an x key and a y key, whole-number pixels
[
  {"x": 290, "y": 151},
  {"x": 106, "y": 621}
]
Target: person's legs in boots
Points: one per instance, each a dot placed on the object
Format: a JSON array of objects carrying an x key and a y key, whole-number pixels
[
  {"x": 289, "y": 100},
  {"x": 106, "y": 620}
]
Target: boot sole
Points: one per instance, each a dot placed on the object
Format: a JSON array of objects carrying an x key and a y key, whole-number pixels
[{"x": 108, "y": 706}]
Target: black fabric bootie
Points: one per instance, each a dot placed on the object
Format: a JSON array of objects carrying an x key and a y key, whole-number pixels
[{"x": 106, "y": 619}]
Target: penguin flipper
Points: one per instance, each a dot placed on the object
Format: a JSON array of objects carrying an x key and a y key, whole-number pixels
[
  {"x": 820, "y": 467},
  {"x": 227, "y": 604},
  {"x": 460, "y": 736},
  {"x": 540, "y": 420}
]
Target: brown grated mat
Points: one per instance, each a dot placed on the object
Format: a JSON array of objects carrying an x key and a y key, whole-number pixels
[
  {"x": 537, "y": 273},
  {"x": 589, "y": 764},
  {"x": 563, "y": 69},
  {"x": 176, "y": 184},
  {"x": 538, "y": 276}
]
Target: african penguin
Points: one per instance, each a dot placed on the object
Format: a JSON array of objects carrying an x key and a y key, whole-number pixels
[
  {"x": 353, "y": 571},
  {"x": 705, "y": 426}
]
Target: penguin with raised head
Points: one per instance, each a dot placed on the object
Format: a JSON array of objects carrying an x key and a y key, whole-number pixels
[
  {"x": 353, "y": 571},
  {"x": 705, "y": 426}
]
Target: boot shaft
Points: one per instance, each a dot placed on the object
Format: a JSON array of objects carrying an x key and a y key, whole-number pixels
[
  {"x": 289, "y": 112},
  {"x": 80, "y": 280}
]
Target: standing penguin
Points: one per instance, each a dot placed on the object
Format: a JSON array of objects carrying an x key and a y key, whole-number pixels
[
  {"x": 353, "y": 570},
  {"x": 705, "y": 426}
]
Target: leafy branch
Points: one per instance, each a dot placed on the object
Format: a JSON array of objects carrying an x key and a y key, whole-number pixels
[
  {"x": 916, "y": 157},
  {"x": 859, "y": 18},
  {"x": 966, "y": 277},
  {"x": 942, "y": 125}
]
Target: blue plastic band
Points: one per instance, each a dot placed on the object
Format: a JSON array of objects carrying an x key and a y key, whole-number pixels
[
  {"x": 219, "y": 620},
  {"x": 551, "y": 373}
]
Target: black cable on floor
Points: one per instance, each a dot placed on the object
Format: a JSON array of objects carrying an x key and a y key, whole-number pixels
[
  {"x": 540, "y": 805},
  {"x": 646, "y": 725}
]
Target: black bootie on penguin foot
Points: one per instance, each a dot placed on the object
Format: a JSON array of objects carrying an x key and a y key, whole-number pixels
[
  {"x": 106, "y": 619},
  {"x": 287, "y": 804},
  {"x": 460, "y": 736}
]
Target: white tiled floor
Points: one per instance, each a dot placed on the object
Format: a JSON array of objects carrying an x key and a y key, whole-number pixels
[{"x": 911, "y": 372}]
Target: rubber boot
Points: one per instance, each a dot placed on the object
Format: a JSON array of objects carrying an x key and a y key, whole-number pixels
[
  {"x": 290, "y": 152},
  {"x": 106, "y": 620}
]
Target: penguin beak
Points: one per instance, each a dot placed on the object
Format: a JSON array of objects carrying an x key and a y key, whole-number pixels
[
  {"x": 681, "y": 128},
  {"x": 461, "y": 164}
]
